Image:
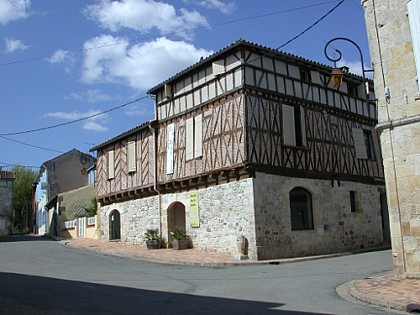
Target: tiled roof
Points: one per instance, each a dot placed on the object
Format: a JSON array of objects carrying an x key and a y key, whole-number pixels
[
  {"x": 123, "y": 135},
  {"x": 240, "y": 42},
  {"x": 7, "y": 175}
]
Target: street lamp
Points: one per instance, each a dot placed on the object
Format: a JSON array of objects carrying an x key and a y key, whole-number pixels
[{"x": 338, "y": 73}]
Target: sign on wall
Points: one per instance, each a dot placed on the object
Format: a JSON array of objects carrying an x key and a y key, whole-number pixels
[
  {"x": 194, "y": 213},
  {"x": 170, "y": 149}
]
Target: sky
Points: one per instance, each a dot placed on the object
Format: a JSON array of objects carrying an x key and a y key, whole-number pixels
[{"x": 62, "y": 61}]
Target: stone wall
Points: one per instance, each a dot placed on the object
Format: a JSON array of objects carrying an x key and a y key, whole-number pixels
[
  {"x": 6, "y": 206},
  {"x": 391, "y": 49},
  {"x": 336, "y": 228},
  {"x": 258, "y": 209}
]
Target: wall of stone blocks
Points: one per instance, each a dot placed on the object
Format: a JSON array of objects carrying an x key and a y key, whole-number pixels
[
  {"x": 226, "y": 213},
  {"x": 6, "y": 206},
  {"x": 336, "y": 228},
  {"x": 399, "y": 122},
  {"x": 258, "y": 209}
]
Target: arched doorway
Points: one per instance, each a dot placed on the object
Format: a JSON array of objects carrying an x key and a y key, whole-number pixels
[
  {"x": 176, "y": 217},
  {"x": 114, "y": 225}
]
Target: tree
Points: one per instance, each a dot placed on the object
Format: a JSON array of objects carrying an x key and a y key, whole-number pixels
[{"x": 22, "y": 196}]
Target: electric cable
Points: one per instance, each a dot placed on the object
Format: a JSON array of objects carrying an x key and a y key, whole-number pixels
[{"x": 73, "y": 121}]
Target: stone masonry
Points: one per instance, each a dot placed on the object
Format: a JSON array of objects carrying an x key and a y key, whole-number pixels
[
  {"x": 396, "y": 83},
  {"x": 258, "y": 209}
]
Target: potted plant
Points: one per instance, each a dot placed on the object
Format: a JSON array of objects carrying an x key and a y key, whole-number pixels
[
  {"x": 180, "y": 239},
  {"x": 152, "y": 238}
]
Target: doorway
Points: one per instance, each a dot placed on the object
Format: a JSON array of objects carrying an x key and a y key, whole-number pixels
[
  {"x": 176, "y": 217},
  {"x": 114, "y": 226}
]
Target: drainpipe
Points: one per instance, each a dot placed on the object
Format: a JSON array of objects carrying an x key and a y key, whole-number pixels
[{"x": 155, "y": 187}]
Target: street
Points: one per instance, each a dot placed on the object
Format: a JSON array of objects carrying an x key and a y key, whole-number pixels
[{"x": 41, "y": 276}]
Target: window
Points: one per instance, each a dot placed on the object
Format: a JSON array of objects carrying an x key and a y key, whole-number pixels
[
  {"x": 363, "y": 144},
  {"x": 301, "y": 209},
  {"x": 69, "y": 225},
  {"x": 91, "y": 220},
  {"x": 353, "y": 201},
  {"x": 131, "y": 156},
  {"x": 111, "y": 164},
  {"x": 294, "y": 133},
  {"x": 194, "y": 137},
  {"x": 352, "y": 89},
  {"x": 305, "y": 75},
  {"x": 370, "y": 151}
]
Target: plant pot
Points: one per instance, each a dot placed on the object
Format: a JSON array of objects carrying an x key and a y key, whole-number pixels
[
  {"x": 152, "y": 244},
  {"x": 179, "y": 244}
]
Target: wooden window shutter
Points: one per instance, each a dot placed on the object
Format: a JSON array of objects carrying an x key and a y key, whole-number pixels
[
  {"x": 303, "y": 126},
  {"x": 131, "y": 156},
  {"x": 170, "y": 149},
  {"x": 189, "y": 141},
  {"x": 359, "y": 143},
  {"x": 198, "y": 136},
  {"x": 111, "y": 164},
  {"x": 289, "y": 135}
]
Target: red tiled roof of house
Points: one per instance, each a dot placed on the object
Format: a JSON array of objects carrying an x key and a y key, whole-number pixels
[{"x": 7, "y": 175}]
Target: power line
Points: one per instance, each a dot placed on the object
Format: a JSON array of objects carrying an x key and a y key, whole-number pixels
[
  {"x": 312, "y": 25},
  {"x": 31, "y": 145},
  {"x": 72, "y": 121},
  {"x": 176, "y": 32}
]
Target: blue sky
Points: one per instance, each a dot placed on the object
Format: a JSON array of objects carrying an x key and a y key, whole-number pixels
[{"x": 65, "y": 60}]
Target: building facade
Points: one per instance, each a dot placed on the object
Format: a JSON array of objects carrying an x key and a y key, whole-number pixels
[
  {"x": 6, "y": 202},
  {"x": 249, "y": 144},
  {"x": 394, "y": 40},
  {"x": 63, "y": 173}
]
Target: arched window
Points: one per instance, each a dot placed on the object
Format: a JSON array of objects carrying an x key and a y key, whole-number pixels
[{"x": 301, "y": 209}]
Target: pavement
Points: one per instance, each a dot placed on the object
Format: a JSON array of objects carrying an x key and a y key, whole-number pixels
[{"x": 385, "y": 291}]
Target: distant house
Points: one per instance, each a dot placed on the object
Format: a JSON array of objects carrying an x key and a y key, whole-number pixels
[
  {"x": 61, "y": 174},
  {"x": 6, "y": 201},
  {"x": 249, "y": 144}
]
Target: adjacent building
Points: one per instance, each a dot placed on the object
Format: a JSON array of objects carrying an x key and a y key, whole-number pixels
[
  {"x": 6, "y": 202},
  {"x": 61, "y": 174},
  {"x": 394, "y": 40},
  {"x": 250, "y": 144}
]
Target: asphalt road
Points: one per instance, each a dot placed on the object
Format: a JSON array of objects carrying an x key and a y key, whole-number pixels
[{"x": 41, "y": 276}]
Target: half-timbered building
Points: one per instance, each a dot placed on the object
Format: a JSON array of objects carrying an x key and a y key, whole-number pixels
[{"x": 250, "y": 144}]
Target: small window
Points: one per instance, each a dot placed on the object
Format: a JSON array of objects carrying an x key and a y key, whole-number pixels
[
  {"x": 363, "y": 143},
  {"x": 111, "y": 164},
  {"x": 370, "y": 150},
  {"x": 294, "y": 133},
  {"x": 194, "y": 137},
  {"x": 131, "y": 157},
  {"x": 352, "y": 89},
  {"x": 305, "y": 75},
  {"x": 353, "y": 201},
  {"x": 301, "y": 209}
]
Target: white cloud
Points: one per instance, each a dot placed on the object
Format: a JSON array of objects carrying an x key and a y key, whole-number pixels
[
  {"x": 11, "y": 10},
  {"x": 225, "y": 8},
  {"x": 94, "y": 123},
  {"x": 144, "y": 16},
  {"x": 139, "y": 66},
  {"x": 355, "y": 67},
  {"x": 90, "y": 96},
  {"x": 13, "y": 45},
  {"x": 65, "y": 57},
  {"x": 137, "y": 110}
]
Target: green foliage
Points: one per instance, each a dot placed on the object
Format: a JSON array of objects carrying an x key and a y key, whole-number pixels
[
  {"x": 22, "y": 195},
  {"x": 179, "y": 233},
  {"x": 93, "y": 208},
  {"x": 151, "y": 234}
]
